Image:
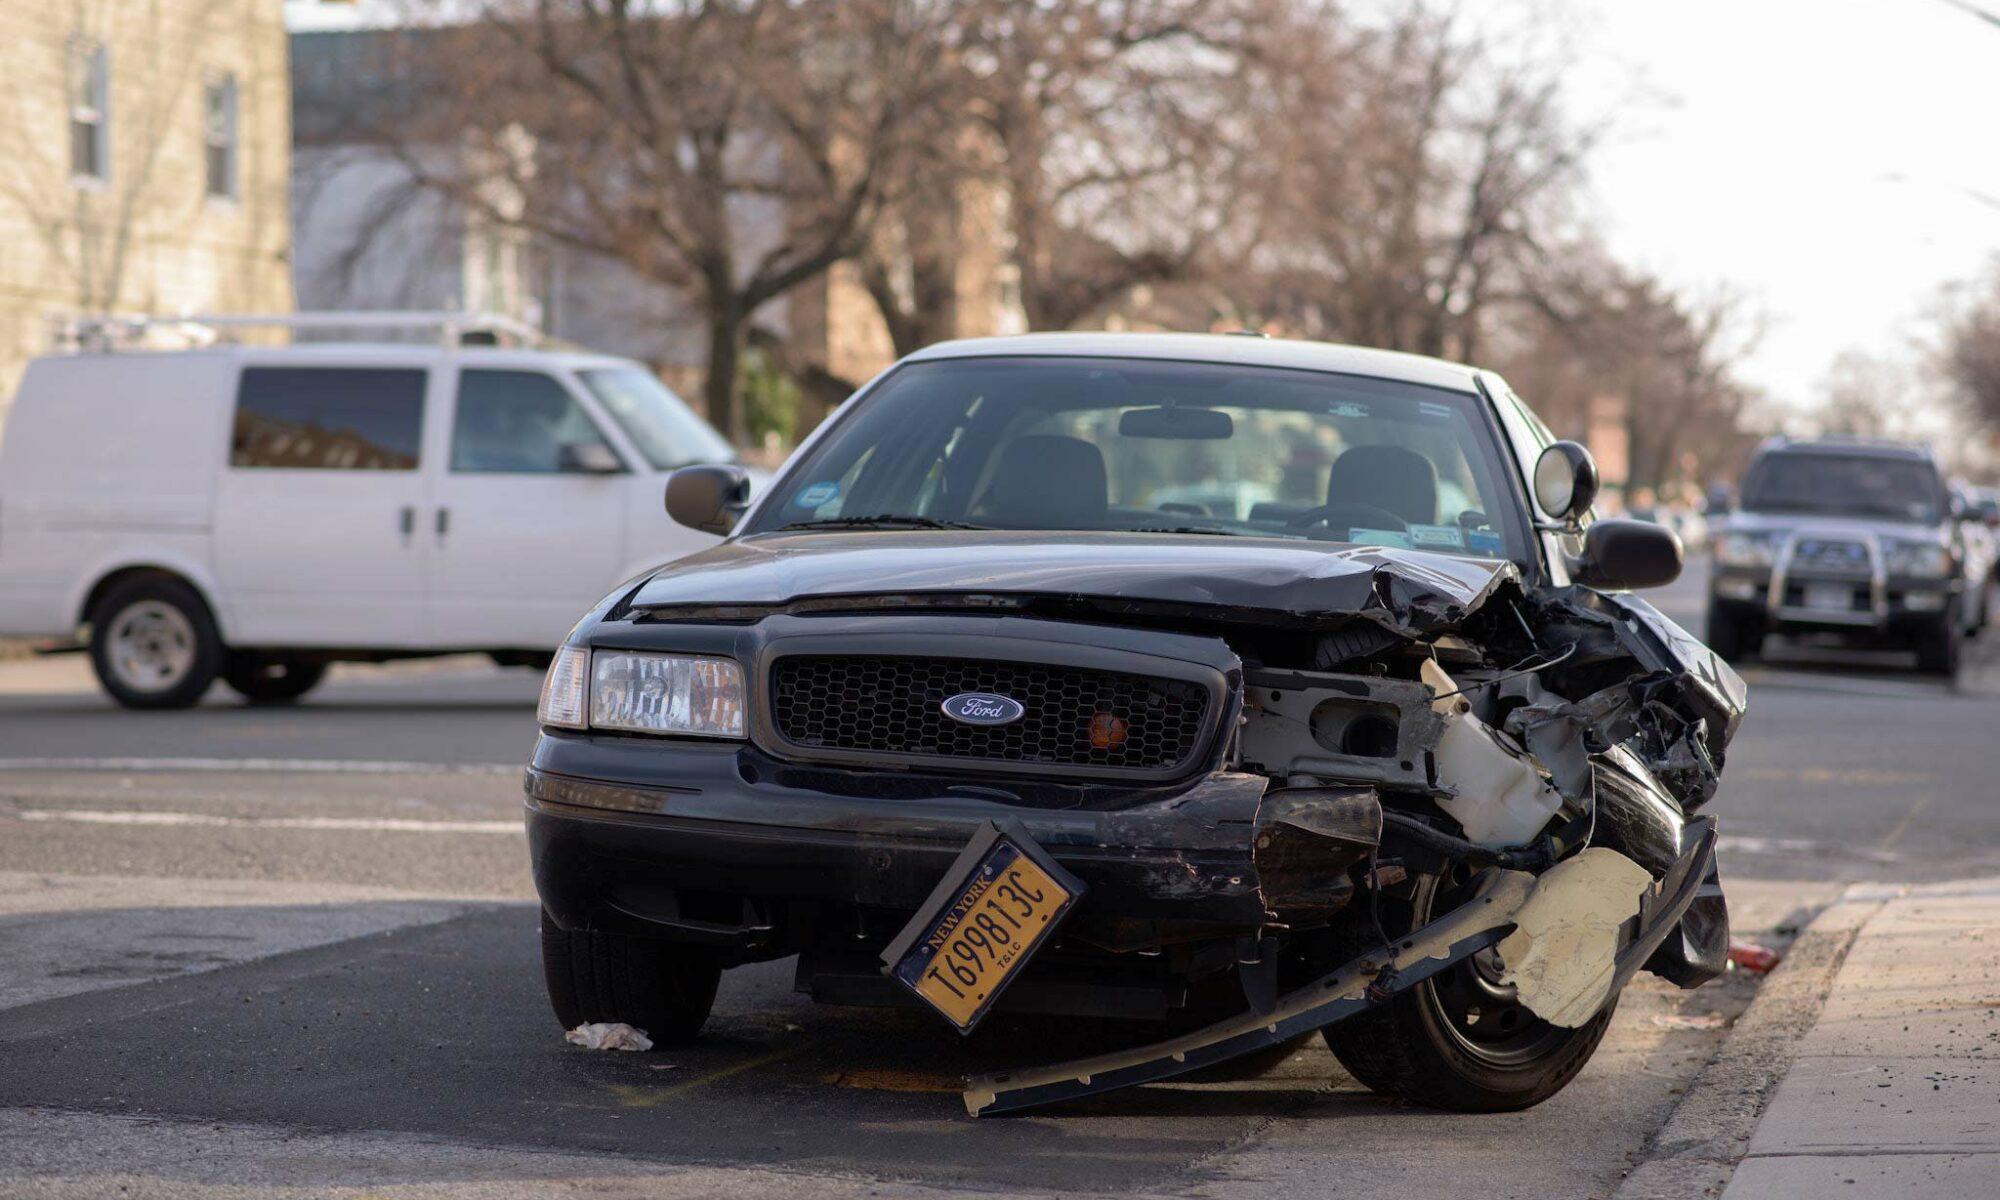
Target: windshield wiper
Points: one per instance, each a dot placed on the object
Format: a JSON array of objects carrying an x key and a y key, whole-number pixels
[
  {"x": 1208, "y": 529},
  {"x": 880, "y": 521}
]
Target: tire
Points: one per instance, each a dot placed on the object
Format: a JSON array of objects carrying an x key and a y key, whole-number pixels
[
  {"x": 153, "y": 643},
  {"x": 1941, "y": 645},
  {"x": 661, "y": 987},
  {"x": 1735, "y": 637},
  {"x": 1422, "y": 1045},
  {"x": 262, "y": 679}
]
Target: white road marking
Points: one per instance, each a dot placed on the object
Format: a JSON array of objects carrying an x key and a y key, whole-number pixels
[
  {"x": 329, "y": 766},
  {"x": 1744, "y": 844},
  {"x": 88, "y": 816}
]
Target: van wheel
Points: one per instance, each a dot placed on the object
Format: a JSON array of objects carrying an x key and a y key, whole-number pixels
[
  {"x": 664, "y": 988},
  {"x": 263, "y": 679},
  {"x": 1459, "y": 1040},
  {"x": 154, "y": 644}
]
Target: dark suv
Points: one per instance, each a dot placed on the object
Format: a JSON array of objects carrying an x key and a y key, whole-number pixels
[
  {"x": 1856, "y": 539},
  {"x": 1257, "y": 686}
]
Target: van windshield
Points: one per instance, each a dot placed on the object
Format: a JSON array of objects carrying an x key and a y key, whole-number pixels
[
  {"x": 664, "y": 429},
  {"x": 1163, "y": 447}
]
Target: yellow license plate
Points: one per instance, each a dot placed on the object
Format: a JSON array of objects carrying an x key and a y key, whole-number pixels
[{"x": 983, "y": 933}]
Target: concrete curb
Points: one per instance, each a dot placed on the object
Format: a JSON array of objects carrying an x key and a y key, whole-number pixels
[{"x": 1694, "y": 1153}]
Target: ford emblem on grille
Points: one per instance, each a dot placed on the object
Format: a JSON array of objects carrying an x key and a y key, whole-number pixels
[{"x": 982, "y": 708}]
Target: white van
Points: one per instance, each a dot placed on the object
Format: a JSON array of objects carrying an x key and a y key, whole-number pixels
[{"x": 259, "y": 512}]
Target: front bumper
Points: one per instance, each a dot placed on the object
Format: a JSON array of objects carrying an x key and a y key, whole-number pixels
[
  {"x": 718, "y": 846},
  {"x": 1891, "y": 605}
]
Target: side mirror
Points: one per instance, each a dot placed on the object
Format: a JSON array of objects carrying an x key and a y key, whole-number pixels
[
  {"x": 1565, "y": 481},
  {"x": 711, "y": 498},
  {"x": 1619, "y": 554},
  {"x": 589, "y": 458}
]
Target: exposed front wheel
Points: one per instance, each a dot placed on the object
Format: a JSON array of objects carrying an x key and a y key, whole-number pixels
[
  {"x": 1460, "y": 1040},
  {"x": 263, "y": 679},
  {"x": 661, "y": 987},
  {"x": 153, "y": 643}
]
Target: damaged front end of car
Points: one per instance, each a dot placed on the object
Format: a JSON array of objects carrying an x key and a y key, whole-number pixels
[
  {"x": 1307, "y": 798},
  {"x": 1554, "y": 748}
]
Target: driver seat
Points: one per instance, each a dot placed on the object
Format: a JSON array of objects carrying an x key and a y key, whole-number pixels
[
  {"x": 1046, "y": 481},
  {"x": 1388, "y": 477}
]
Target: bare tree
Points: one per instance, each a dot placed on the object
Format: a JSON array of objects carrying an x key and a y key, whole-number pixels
[
  {"x": 1606, "y": 342},
  {"x": 1970, "y": 356},
  {"x": 730, "y": 149},
  {"x": 1424, "y": 168}
]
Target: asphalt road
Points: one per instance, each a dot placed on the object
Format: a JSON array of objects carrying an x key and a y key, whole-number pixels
[{"x": 248, "y": 951}]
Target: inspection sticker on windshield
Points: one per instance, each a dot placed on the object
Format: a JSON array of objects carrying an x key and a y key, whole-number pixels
[
  {"x": 1000, "y": 902},
  {"x": 813, "y": 495}
]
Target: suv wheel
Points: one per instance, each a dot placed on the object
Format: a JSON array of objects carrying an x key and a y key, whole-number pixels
[
  {"x": 1733, "y": 636},
  {"x": 1941, "y": 644},
  {"x": 664, "y": 988},
  {"x": 263, "y": 679},
  {"x": 1459, "y": 1040},
  {"x": 153, "y": 643}
]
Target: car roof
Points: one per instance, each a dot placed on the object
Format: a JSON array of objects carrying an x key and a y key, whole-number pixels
[
  {"x": 1853, "y": 447},
  {"x": 1247, "y": 349}
]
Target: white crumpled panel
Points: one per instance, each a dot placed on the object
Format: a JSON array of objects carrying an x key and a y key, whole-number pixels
[{"x": 1564, "y": 948}]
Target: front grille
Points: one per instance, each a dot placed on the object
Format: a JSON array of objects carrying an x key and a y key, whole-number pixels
[
  {"x": 890, "y": 705},
  {"x": 1831, "y": 555}
]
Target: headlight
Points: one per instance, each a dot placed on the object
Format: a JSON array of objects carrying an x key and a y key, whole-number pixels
[
  {"x": 1743, "y": 550},
  {"x": 566, "y": 689},
  {"x": 1927, "y": 559},
  {"x": 666, "y": 693}
]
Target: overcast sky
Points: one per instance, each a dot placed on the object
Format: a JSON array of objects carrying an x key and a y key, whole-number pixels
[{"x": 1825, "y": 158}]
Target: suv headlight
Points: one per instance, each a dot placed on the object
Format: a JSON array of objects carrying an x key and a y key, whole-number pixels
[
  {"x": 1922, "y": 559},
  {"x": 634, "y": 692},
  {"x": 1743, "y": 550}
]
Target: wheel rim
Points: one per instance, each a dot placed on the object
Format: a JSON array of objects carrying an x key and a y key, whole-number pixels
[
  {"x": 150, "y": 646},
  {"x": 1483, "y": 1017}
]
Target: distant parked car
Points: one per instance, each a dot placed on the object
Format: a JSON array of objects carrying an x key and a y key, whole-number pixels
[
  {"x": 1978, "y": 515},
  {"x": 1860, "y": 539},
  {"x": 260, "y": 512}
]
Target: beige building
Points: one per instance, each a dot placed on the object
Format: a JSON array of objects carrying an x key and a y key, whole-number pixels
[{"x": 145, "y": 151}]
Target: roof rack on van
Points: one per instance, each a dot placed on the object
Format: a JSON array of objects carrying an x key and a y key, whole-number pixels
[{"x": 135, "y": 330}]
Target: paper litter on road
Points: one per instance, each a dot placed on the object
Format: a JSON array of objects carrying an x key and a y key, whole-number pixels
[{"x": 607, "y": 1035}]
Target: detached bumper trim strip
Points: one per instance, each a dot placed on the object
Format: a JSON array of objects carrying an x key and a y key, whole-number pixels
[{"x": 1473, "y": 926}]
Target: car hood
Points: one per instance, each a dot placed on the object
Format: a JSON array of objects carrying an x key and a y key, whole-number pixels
[
  {"x": 1407, "y": 591},
  {"x": 1828, "y": 524}
]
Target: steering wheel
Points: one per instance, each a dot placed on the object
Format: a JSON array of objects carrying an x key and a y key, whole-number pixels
[{"x": 1369, "y": 517}]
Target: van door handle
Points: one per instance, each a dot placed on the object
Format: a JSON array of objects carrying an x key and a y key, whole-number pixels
[
  {"x": 406, "y": 520},
  {"x": 443, "y": 523}
]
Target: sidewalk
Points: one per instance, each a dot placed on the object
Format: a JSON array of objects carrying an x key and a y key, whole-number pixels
[{"x": 1895, "y": 1092}]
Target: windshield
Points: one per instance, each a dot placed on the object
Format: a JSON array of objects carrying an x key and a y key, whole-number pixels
[
  {"x": 664, "y": 429},
  {"x": 1144, "y": 446},
  {"x": 1898, "y": 488}
]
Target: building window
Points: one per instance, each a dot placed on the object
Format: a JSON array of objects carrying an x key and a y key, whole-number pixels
[
  {"x": 89, "y": 111},
  {"x": 218, "y": 132}
]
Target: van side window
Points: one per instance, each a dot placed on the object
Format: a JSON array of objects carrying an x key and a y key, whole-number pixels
[
  {"x": 328, "y": 418},
  {"x": 518, "y": 422}
]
